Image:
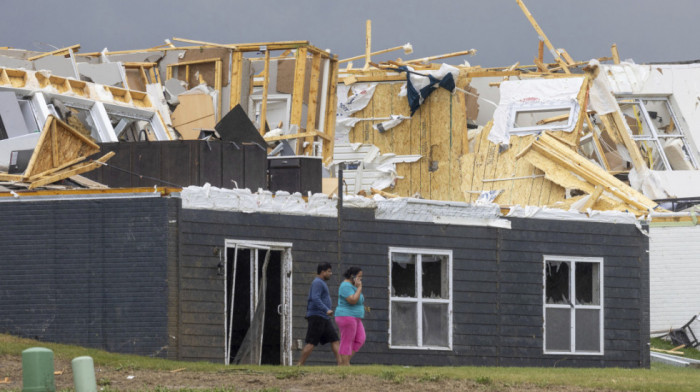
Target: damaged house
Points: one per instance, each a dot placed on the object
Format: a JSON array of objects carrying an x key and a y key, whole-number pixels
[
  {"x": 222, "y": 275},
  {"x": 516, "y": 213}
]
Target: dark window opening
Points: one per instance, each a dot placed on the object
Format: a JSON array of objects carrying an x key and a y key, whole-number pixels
[{"x": 557, "y": 286}]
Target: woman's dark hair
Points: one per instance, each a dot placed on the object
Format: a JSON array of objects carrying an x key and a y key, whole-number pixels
[
  {"x": 352, "y": 271},
  {"x": 322, "y": 267}
]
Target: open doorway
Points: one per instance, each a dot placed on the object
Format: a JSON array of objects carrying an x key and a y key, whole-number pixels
[{"x": 258, "y": 303}]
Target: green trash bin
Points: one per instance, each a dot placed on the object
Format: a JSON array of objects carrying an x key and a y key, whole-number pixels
[{"x": 37, "y": 370}]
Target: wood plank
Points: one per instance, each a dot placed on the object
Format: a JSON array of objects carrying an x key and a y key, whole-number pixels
[
  {"x": 542, "y": 35},
  {"x": 368, "y": 43},
  {"x": 78, "y": 169},
  {"x": 265, "y": 87},
  {"x": 331, "y": 107},
  {"x": 56, "y": 52},
  {"x": 312, "y": 107},
  {"x": 593, "y": 198},
  {"x": 442, "y": 56},
  {"x": 298, "y": 93},
  {"x": 615, "y": 54},
  {"x": 236, "y": 79}
]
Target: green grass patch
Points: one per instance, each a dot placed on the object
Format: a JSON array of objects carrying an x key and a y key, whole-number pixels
[{"x": 658, "y": 378}]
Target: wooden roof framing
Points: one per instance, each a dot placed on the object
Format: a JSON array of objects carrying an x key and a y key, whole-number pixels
[{"x": 58, "y": 155}]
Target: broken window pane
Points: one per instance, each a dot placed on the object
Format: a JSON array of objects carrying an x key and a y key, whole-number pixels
[
  {"x": 661, "y": 118},
  {"x": 403, "y": 324},
  {"x": 588, "y": 330},
  {"x": 403, "y": 275},
  {"x": 558, "y": 329},
  {"x": 434, "y": 276},
  {"x": 131, "y": 129},
  {"x": 77, "y": 115},
  {"x": 557, "y": 284},
  {"x": 651, "y": 153},
  {"x": 657, "y": 133},
  {"x": 435, "y": 325},
  {"x": 634, "y": 116},
  {"x": 587, "y": 283},
  {"x": 589, "y": 149}
]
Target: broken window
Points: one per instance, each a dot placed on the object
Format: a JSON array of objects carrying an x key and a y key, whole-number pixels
[
  {"x": 527, "y": 118},
  {"x": 76, "y": 113},
  {"x": 421, "y": 299},
  {"x": 657, "y": 132},
  {"x": 573, "y": 312}
]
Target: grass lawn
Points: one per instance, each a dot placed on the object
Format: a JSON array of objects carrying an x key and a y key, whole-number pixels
[{"x": 398, "y": 378}]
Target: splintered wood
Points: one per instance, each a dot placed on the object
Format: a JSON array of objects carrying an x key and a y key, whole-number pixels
[{"x": 568, "y": 169}]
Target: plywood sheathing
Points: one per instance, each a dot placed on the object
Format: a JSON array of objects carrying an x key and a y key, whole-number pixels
[
  {"x": 195, "y": 112},
  {"x": 436, "y": 132},
  {"x": 58, "y": 147},
  {"x": 489, "y": 167},
  {"x": 568, "y": 169}
]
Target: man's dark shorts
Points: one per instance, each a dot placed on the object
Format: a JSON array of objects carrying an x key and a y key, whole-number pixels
[{"x": 321, "y": 331}]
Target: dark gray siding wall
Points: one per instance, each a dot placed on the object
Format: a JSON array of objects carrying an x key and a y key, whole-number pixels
[
  {"x": 202, "y": 290},
  {"x": 86, "y": 272},
  {"x": 626, "y": 290},
  {"x": 497, "y": 283}
]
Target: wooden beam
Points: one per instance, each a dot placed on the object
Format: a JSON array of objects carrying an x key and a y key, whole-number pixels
[
  {"x": 553, "y": 119},
  {"x": 563, "y": 157},
  {"x": 598, "y": 146},
  {"x": 592, "y": 198},
  {"x": 265, "y": 87},
  {"x": 56, "y": 52},
  {"x": 615, "y": 54},
  {"x": 236, "y": 79},
  {"x": 383, "y": 194},
  {"x": 408, "y": 49},
  {"x": 565, "y": 54},
  {"x": 623, "y": 132},
  {"x": 311, "y": 109},
  {"x": 331, "y": 108},
  {"x": 78, "y": 169},
  {"x": 540, "y": 51},
  {"x": 541, "y": 66},
  {"x": 368, "y": 43},
  {"x": 298, "y": 92},
  {"x": 542, "y": 35},
  {"x": 442, "y": 56},
  {"x": 291, "y": 136}
]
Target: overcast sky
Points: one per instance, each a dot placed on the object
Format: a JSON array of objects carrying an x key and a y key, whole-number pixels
[{"x": 644, "y": 30}]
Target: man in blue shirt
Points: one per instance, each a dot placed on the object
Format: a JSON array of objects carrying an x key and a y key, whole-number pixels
[{"x": 318, "y": 313}]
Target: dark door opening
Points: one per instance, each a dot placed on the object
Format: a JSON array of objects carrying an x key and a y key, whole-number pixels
[{"x": 242, "y": 286}]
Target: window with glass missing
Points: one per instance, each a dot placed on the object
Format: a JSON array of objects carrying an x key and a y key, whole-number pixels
[
  {"x": 420, "y": 288},
  {"x": 573, "y": 311},
  {"x": 657, "y": 132}
]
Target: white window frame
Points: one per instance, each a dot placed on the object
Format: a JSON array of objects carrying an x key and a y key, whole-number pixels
[
  {"x": 419, "y": 301},
  {"x": 524, "y": 107},
  {"x": 573, "y": 306},
  {"x": 656, "y": 136}
]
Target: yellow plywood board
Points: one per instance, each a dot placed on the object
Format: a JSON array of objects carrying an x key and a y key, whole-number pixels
[
  {"x": 195, "y": 112},
  {"x": 59, "y": 146}
]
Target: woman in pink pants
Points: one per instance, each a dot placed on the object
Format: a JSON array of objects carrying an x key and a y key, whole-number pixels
[{"x": 349, "y": 314}]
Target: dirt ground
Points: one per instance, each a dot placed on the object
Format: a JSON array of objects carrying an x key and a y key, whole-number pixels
[{"x": 294, "y": 379}]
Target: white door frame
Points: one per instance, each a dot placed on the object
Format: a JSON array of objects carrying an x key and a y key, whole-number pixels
[{"x": 286, "y": 278}]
